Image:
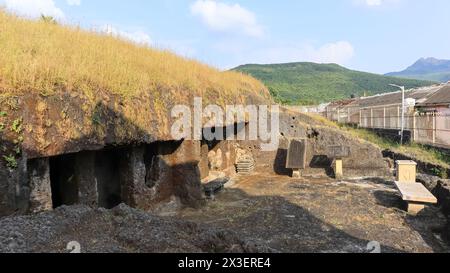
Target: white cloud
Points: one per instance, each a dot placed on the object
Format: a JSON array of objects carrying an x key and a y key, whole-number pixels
[
  {"x": 340, "y": 52},
  {"x": 376, "y": 3},
  {"x": 34, "y": 8},
  {"x": 73, "y": 2},
  {"x": 138, "y": 37},
  {"x": 224, "y": 17},
  {"x": 373, "y": 2}
]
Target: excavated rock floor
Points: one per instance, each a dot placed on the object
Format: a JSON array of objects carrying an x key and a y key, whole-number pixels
[
  {"x": 322, "y": 215},
  {"x": 258, "y": 213}
]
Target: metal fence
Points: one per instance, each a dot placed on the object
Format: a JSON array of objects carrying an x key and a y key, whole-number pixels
[{"x": 431, "y": 128}]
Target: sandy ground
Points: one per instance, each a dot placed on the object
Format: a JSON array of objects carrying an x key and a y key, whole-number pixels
[{"x": 321, "y": 215}]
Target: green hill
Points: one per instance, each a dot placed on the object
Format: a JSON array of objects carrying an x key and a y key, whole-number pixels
[{"x": 311, "y": 83}]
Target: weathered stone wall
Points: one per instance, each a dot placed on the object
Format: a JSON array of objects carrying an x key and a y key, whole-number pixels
[
  {"x": 8, "y": 181},
  {"x": 33, "y": 126},
  {"x": 69, "y": 123},
  {"x": 87, "y": 182},
  {"x": 14, "y": 188},
  {"x": 204, "y": 160},
  {"x": 365, "y": 160},
  {"x": 171, "y": 171},
  {"x": 143, "y": 176},
  {"x": 39, "y": 185},
  {"x": 222, "y": 157}
]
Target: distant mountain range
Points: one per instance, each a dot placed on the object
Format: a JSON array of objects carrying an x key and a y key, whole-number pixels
[
  {"x": 426, "y": 69},
  {"x": 311, "y": 83}
]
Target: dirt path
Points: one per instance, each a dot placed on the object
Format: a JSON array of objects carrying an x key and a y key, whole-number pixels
[{"x": 321, "y": 215}]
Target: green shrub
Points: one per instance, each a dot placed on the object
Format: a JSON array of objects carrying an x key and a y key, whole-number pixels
[{"x": 11, "y": 161}]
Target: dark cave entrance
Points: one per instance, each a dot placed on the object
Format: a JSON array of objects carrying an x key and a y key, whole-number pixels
[
  {"x": 108, "y": 176},
  {"x": 138, "y": 176},
  {"x": 93, "y": 178},
  {"x": 64, "y": 184}
]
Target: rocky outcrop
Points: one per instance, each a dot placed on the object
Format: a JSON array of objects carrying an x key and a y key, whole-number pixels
[
  {"x": 45, "y": 127},
  {"x": 365, "y": 158},
  {"x": 441, "y": 189},
  {"x": 422, "y": 166}
]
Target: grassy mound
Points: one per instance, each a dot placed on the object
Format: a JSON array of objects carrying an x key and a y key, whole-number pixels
[{"x": 43, "y": 57}]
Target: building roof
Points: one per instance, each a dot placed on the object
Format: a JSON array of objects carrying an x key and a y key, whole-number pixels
[
  {"x": 419, "y": 94},
  {"x": 442, "y": 96},
  {"x": 341, "y": 103}
]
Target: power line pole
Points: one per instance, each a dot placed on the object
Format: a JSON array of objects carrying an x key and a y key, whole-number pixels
[{"x": 403, "y": 111}]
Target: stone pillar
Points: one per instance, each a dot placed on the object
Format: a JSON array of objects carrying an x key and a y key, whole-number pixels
[
  {"x": 87, "y": 182},
  {"x": 39, "y": 185},
  {"x": 338, "y": 169},
  {"x": 204, "y": 161},
  {"x": 132, "y": 176},
  {"x": 186, "y": 173}
]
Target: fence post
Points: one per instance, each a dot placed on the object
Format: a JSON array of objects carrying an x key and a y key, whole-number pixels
[
  {"x": 348, "y": 116},
  {"x": 360, "y": 118},
  {"x": 399, "y": 121},
  {"x": 434, "y": 127},
  {"x": 384, "y": 117},
  {"x": 414, "y": 127},
  {"x": 371, "y": 118}
]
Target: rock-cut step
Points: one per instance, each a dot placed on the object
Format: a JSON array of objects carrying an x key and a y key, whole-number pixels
[{"x": 245, "y": 166}]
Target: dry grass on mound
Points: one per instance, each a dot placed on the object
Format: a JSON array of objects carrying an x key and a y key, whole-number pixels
[{"x": 44, "y": 58}]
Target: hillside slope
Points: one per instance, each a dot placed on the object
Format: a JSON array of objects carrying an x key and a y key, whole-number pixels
[
  {"x": 426, "y": 69},
  {"x": 311, "y": 83}
]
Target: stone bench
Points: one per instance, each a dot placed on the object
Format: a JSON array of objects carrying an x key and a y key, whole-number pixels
[
  {"x": 214, "y": 187},
  {"x": 416, "y": 196}
]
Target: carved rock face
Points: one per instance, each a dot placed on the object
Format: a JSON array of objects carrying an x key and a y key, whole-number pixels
[{"x": 215, "y": 160}]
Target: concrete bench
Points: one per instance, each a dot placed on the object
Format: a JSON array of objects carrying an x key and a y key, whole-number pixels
[{"x": 416, "y": 196}]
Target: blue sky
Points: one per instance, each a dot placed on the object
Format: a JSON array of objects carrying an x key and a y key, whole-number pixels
[{"x": 371, "y": 35}]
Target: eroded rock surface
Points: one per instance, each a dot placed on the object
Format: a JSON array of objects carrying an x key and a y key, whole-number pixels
[
  {"x": 119, "y": 230},
  {"x": 365, "y": 159}
]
